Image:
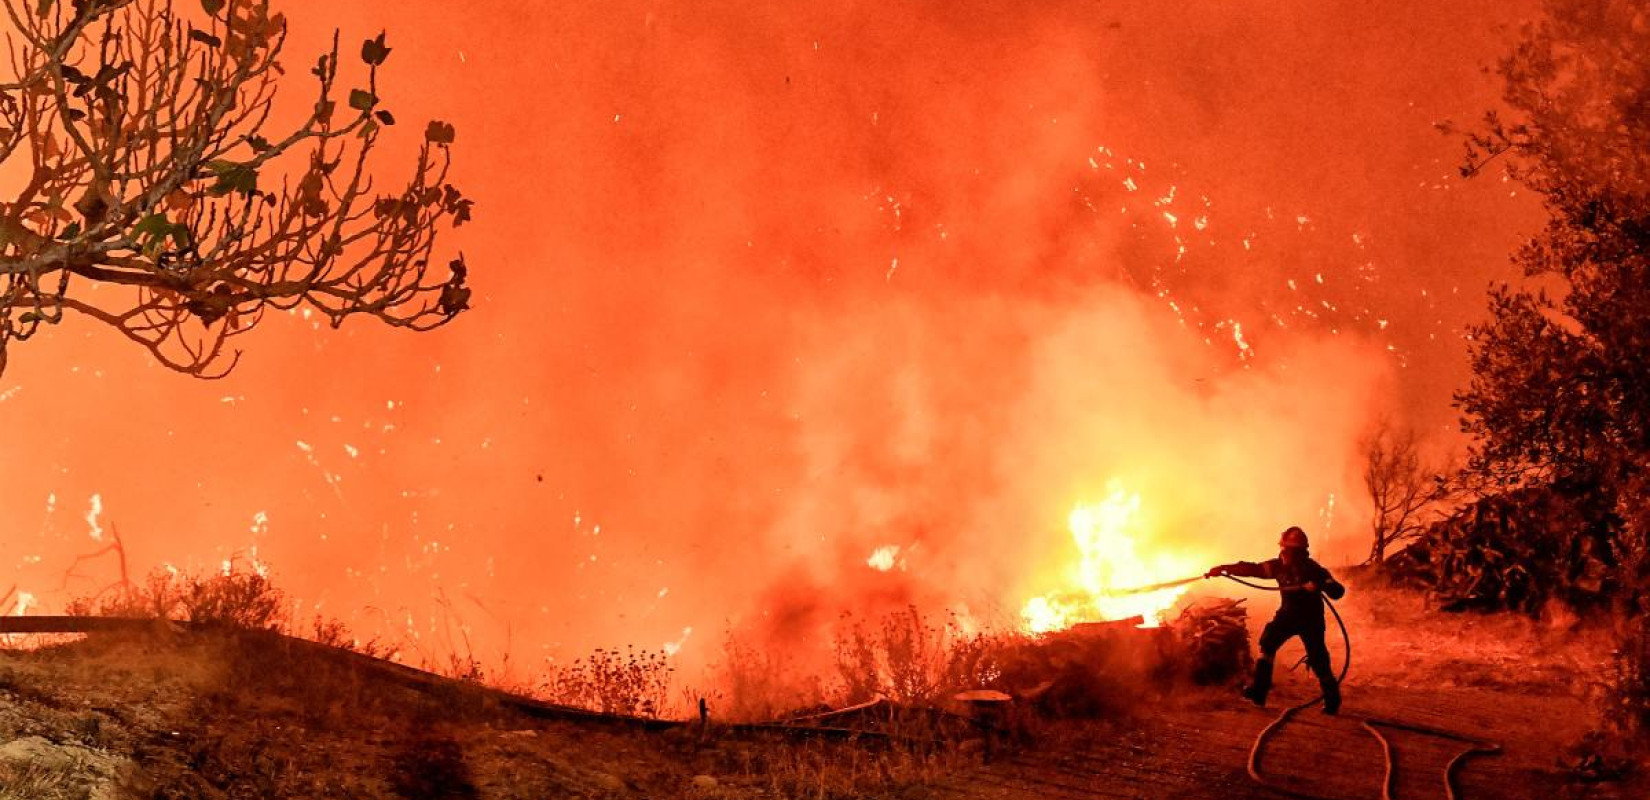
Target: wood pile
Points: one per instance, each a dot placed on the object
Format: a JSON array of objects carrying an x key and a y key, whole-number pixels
[{"x": 1213, "y": 636}]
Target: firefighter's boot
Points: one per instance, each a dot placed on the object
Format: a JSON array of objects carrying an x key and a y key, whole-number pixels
[
  {"x": 1257, "y": 689},
  {"x": 1331, "y": 695}
]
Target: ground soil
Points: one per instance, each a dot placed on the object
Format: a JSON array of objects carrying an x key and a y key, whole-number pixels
[
  {"x": 203, "y": 716},
  {"x": 1527, "y": 685}
]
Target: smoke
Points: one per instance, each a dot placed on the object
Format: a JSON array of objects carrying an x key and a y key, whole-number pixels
[
  {"x": 959, "y": 434},
  {"x": 764, "y": 291}
]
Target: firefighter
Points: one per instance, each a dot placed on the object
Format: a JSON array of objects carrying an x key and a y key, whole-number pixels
[{"x": 1300, "y": 581}]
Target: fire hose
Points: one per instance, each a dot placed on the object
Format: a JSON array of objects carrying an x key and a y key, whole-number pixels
[{"x": 1475, "y": 746}]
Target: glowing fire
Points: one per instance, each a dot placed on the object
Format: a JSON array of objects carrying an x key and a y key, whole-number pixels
[{"x": 1118, "y": 555}]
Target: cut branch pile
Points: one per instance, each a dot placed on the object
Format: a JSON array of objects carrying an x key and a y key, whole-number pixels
[{"x": 1514, "y": 551}]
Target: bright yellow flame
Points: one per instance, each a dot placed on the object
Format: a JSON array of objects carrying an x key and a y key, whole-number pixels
[{"x": 1119, "y": 554}]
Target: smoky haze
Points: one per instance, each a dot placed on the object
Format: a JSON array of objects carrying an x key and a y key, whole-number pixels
[{"x": 763, "y": 288}]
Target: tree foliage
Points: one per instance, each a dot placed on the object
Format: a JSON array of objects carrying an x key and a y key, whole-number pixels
[
  {"x": 141, "y": 143},
  {"x": 1561, "y": 370},
  {"x": 1560, "y": 393}
]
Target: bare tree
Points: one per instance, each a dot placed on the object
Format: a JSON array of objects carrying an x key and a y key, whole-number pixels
[
  {"x": 142, "y": 137},
  {"x": 1401, "y": 488}
]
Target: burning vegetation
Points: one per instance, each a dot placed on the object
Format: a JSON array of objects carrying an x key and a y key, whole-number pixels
[{"x": 1121, "y": 561}]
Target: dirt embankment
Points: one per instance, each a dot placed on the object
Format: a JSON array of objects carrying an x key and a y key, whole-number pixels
[{"x": 207, "y": 715}]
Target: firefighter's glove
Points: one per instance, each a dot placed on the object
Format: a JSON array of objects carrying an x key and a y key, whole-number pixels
[{"x": 1215, "y": 572}]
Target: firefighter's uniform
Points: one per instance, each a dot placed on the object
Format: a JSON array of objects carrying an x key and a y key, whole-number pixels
[{"x": 1301, "y": 614}]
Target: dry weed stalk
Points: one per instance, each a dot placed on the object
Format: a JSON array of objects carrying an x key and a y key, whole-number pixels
[{"x": 631, "y": 682}]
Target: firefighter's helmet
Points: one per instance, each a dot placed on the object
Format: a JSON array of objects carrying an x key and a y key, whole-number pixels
[{"x": 1293, "y": 537}]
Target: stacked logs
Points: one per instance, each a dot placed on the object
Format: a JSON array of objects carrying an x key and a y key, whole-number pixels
[{"x": 1213, "y": 638}]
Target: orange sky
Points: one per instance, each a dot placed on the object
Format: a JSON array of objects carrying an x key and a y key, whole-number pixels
[{"x": 760, "y": 286}]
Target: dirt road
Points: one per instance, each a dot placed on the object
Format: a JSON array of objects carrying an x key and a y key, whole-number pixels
[
  {"x": 1203, "y": 753},
  {"x": 1511, "y": 681}
]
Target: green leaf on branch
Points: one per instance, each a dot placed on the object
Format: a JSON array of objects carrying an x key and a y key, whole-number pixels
[
  {"x": 70, "y": 232},
  {"x": 212, "y": 7},
  {"x": 152, "y": 226},
  {"x": 44, "y": 8},
  {"x": 385, "y": 117},
  {"x": 30, "y": 317},
  {"x": 205, "y": 38},
  {"x": 232, "y": 177},
  {"x": 153, "y": 231},
  {"x": 362, "y": 100},
  {"x": 440, "y": 132},
  {"x": 373, "y": 51}
]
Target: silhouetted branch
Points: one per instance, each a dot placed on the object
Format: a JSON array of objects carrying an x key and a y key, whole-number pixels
[{"x": 151, "y": 170}]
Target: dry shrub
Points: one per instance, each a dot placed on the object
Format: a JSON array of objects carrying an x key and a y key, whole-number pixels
[
  {"x": 1627, "y": 702},
  {"x": 159, "y": 597},
  {"x": 466, "y": 668},
  {"x": 904, "y": 657},
  {"x": 911, "y": 660},
  {"x": 859, "y": 672},
  {"x": 633, "y": 682},
  {"x": 1626, "y": 712},
  {"x": 758, "y": 684},
  {"x": 236, "y": 599},
  {"x": 334, "y": 633},
  {"x": 233, "y": 598}
]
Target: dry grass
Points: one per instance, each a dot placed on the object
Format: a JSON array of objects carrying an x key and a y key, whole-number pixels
[
  {"x": 37, "y": 782},
  {"x": 1400, "y": 639},
  {"x": 827, "y": 770}
]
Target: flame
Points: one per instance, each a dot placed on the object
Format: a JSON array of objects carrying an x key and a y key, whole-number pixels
[{"x": 1119, "y": 553}]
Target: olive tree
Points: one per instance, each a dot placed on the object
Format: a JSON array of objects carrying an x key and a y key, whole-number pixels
[
  {"x": 140, "y": 155},
  {"x": 1561, "y": 368}
]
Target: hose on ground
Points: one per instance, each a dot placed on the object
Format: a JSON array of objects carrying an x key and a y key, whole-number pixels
[{"x": 1389, "y": 779}]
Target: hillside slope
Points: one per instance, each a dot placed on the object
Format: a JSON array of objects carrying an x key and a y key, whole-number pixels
[{"x": 204, "y": 714}]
